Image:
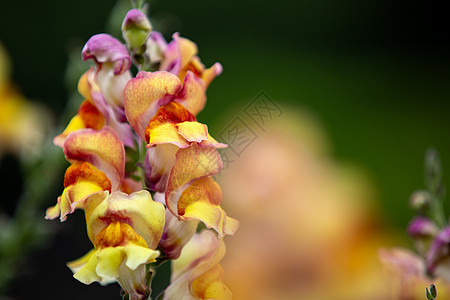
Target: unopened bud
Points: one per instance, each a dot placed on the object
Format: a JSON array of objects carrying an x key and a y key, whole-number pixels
[
  {"x": 136, "y": 29},
  {"x": 420, "y": 199},
  {"x": 432, "y": 293}
]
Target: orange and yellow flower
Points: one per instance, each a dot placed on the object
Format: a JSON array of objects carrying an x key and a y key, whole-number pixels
[
  {"x": 98, "y": 164},
  {"x": 125, "y": 230}
]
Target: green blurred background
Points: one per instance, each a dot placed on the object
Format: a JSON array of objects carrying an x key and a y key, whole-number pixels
[{"x": 375, "y": 73}]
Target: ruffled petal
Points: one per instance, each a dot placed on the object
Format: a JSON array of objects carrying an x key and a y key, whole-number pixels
[
  {"x": 85, "y": 268},
  {"x": 201, "y": 201},
  {"x": 211, "y": 73},
  {"x": 100, "y": 148},
  {"x": 103, "y": 48},
  {"x": 176, "y": 125},
  {"x": 178, "y": 53},
  {"x": 81, "y": 180},
  {"x": 145, "y": 94},
  {"x": 138, "y": 255}
]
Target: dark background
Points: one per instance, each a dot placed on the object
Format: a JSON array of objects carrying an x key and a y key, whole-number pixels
[{"x": 376, "y": 73}]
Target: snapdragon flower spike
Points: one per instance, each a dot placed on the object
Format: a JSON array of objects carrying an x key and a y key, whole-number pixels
[
  {"x": 125, "y": 230},
  {"x": 439, "y": 250},
  {"x": 197, "y": 274},
  {"x": 191, "y": 192},
  {"x": 180, "y": 56},
  {"x": 98, "y": 164}
]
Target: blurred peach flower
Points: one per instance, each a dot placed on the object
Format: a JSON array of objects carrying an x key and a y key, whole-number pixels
[
  {"x": 309, "y": 227},
  {"x": 23, "y": 124}
]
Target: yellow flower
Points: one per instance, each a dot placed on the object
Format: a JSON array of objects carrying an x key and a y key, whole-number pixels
[
  {"x": 125, "y": 230},
  {"x": 196, "y": 274}
]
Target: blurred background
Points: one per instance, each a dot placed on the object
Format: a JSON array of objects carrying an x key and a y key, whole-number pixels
[{"x": 364, "y": 91}]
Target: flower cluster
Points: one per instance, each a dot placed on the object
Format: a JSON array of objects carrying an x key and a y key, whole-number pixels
[
  {"x": 431, "y": 234},
  {"x": 142, "y": 165}
]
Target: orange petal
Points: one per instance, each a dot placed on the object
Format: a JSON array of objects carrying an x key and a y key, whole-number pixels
[
  {"x": 102, "y": 148},
  {"x": 88, "y": 116},
  {"x": 81, "y": 180},
  {"x": 145, "y": 94}
]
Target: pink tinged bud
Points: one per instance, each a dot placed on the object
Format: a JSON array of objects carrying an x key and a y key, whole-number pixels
[
  {"x": 422, "y": 227},
  {"x": 103, "y": 48},
  {"x": 136, "y": 18},
  {"x": 439, "y": 250},
  {"x": 136, "y": 29}
]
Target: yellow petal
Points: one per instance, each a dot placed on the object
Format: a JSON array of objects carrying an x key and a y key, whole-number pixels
[
  {"x": 81, "y": 180},
  {"x": 201, "y": 201},
  {"x": 210, "y": 285},
  {"x": 108, "y": 262},
  {"x": 87, "y": 274},
  {"x": 138, "y": 255},
  {"x": 79, "y": 263},
  {"x": 75, "y": 123},
  {"x": 193, "y": 131},
  {"x": 166, "y": 133}
]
